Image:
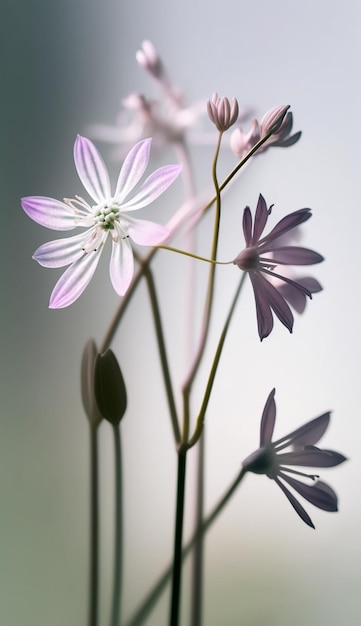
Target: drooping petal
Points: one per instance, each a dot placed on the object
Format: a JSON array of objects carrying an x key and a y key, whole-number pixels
[
  {"x": 263, "y": 309},
  {"x": 311, "y": 457},
  {"x": 275, "y": 300},
  {"x": 74, "y": 280},
  {"x": 260, "y": 219},
  {"x": 268, "y": 420},
  {"x": 146, "y": 233},
  {"x": 49, "y": 212},
  {"x": 247, "y": 226},
  {"x": 294, "y": 255},
  {"x": 153, "y": 187},
  {"x": 284, "y": 225},
  {"x": 60, "y": 252},
  {"x": 133, "y": 168},
  {"x": 306, "y": 435},
  {"x": 294, "y": 296},
  {"x": 91, "y": 169},
  {"x": 121, "y": 266},
  {"x": 319, "y": 494},
  {"x": 296, "y": 505}
]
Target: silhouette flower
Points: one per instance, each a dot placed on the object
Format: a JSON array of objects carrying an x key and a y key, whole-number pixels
[
  {"x": 270, "y": 459},
  {"x": 263, "y": 254},
  {"x": 107, "y": 216}
]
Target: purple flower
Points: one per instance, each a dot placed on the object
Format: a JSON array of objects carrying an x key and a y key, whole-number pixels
[
  {"x": 263, "y": 254},
  {"x": 108, "y": 215},
  {"x": 270, "y": 459}
]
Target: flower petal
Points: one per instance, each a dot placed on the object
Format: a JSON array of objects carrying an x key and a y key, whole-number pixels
[
  {"x": 319, "y": 494},
  {"x": 268, "y": 420},
  {"x": 153, "y": 187},
  {"x": 49, "y": 212},
  {"x": 247, "y": 226},
  {"x": 263, "y": 309},
  {"x": 260, "y": 219},
  {"x": 91, "y": 169},
  {"x": 296, "y": 298},
  {"x": 311, "y": 457},
  {"x": 74, "y": 280},
  {"x": 294, "y": 255},
  {"x": 284, "y": 225},
  {"x": 121, "y": 266},
  {"x": 146, "y": 233},
  {"x": 132, "y": 170},
  {"x": 296, "y": 505},
  {"x": 60, "y": 252},
  {"x": 275, "y": 300},
  {"x": 306, "y": 435}
]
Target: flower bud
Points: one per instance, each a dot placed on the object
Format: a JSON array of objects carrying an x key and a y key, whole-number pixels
[
  {"x": 109, "y": 387},
  {"x": 87, "y": 383},
  {"x": 221, "y": 113},
  {"x": 148, "y": 58},
  {"x": 272, "y": 120}
]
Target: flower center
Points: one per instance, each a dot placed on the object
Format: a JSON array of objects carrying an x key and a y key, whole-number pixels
[
  {"x": 248, "y": 259},
  {"x": 106, "y": 214}
]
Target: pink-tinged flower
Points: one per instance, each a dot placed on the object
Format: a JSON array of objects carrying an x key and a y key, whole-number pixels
[
  {"x": 263, "y": 254},
  {"x": 221, "y": 112},
  {"x": 270, "y": 459},
  {"x": 108, "y": 215}
]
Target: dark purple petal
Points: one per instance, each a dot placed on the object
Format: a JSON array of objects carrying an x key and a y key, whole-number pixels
[
  {"x": 275, "y": 300},
  {"x": 306, "y": 435},
  {"x": 268, "y": 420},
  {"x": 260, "y": 219},
  {"x": 284, "y": 225},
  {"x": 263, "y": 309},
  {"x": 247, "y": 225},
  {"x": 296, "y": 505},
  {"x": 311, "y": 457},
  {"x": 319, "y": 494},
  {"x": 294, "y": 296},
  {"x": 285, "y": 279},
  {"x": 294, "y": 255}
]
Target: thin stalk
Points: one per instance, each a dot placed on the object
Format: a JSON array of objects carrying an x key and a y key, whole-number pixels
[
  {"x": 197, "y": 565},
  {"x": 162, "y": 352},
  {"x": 94, "y": 529},
  {"x": 156, "y": 591},
  {"x": 118, "y": 530},
  {"x": 178, "y": 537}
]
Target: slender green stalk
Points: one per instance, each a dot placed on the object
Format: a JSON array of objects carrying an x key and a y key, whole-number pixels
[
  {"x": 94, "y": 529},
  {"x": 118, "y": 530},
  {"x": 156, "y": 591},
  {"x": 162, "y": 352},
  {"x": 178, "y": 537},
  {"x": 197, "y": 565}
]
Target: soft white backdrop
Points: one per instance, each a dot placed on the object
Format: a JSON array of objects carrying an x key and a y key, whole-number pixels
[{"x": 64, "y": 66}]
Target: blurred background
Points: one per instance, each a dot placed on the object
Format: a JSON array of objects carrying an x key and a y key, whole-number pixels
[{"x": 64, "y": 66}]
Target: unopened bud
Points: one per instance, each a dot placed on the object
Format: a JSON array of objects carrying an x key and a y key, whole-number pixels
[
  {"x": 272, "y": 120},
  {"x": 109, "y": 387},
  {"x": 221, "y": 112},
  {"x": 148, "y": 58},
  {"x": 87, "y": 383}
]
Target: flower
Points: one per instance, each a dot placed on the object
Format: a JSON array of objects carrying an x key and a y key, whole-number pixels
[
  {"x": 270, "y": 459},
  {"x": 268, "y": 298},
  {"x": 221, "y": 112},
  {"x": 241, "y": 143},
  {"x": 107, "y": 216}
]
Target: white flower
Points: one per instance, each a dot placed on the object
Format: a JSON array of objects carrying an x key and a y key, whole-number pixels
[{"x": 107, "y": 216}]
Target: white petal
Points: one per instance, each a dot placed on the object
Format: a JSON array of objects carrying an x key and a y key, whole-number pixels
[
  {"x": 147, "y": 233},
  {"x": 61, "y": 251},
  {"x": 49, "y": 212},
  {"x": 91, "y": 169},
  {"x": 132, "y": 170},
  {"x": 153, "y": 187},
  {"x": 74, "y": 280},
  {"x": 121, "y": 266}
]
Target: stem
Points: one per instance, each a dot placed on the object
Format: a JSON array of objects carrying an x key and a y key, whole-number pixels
[
  {"x": 118, "y": 530},
  {"x": 94, "y": 529},
  {"x": 177, "y": 558},
  {"x": 162, "y": 352},
  {"x": 155, "y": 593},
  {"x": 202, "y": 412},
  {"x": 197, "y": 577}
]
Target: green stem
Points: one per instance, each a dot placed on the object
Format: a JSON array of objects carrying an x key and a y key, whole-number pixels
[
  {"x": 178, "y": 536},
  {"x": 197, "y": 565},
  {"x": 155, "y": 593},
  {"x": 118, "y": 530},
  {"x": 94, "y": 529}
]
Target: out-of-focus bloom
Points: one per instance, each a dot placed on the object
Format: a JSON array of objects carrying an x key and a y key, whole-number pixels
[
  {"x": 149, "y": 59},
  {"x": 263, "y": 254},
  {"x": 107, "y": 216},
  {"x": 109, "y": 387},
  {"x": 270, "y": 459},
  {"x": 241, "y": 143},
  {"x": 221, "y": 112}
]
